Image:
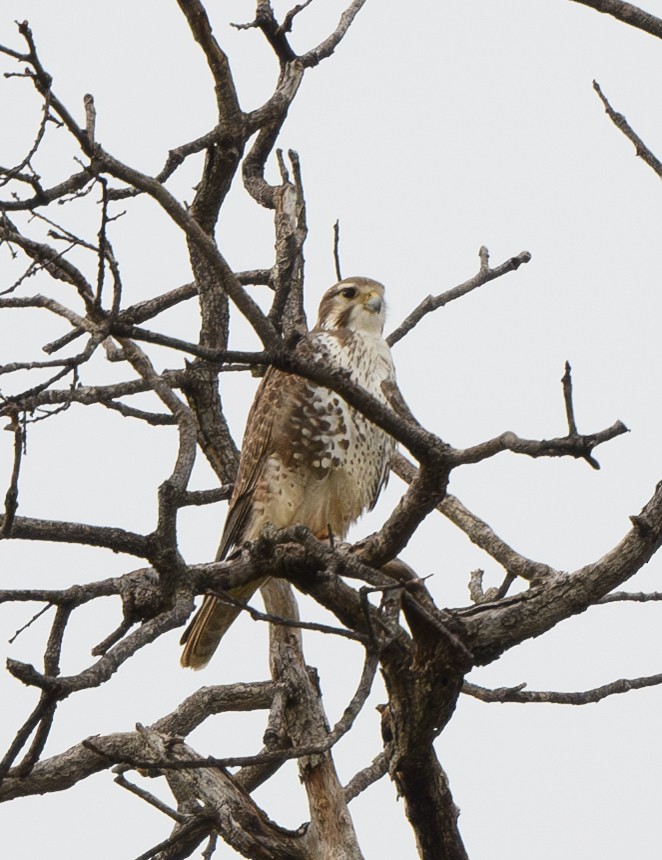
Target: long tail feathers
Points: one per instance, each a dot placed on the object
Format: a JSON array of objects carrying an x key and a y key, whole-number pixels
[{"x": 210, "y": 624}]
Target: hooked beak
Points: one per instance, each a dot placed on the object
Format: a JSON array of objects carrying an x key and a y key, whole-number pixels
[{"x": 374, "y": 302}]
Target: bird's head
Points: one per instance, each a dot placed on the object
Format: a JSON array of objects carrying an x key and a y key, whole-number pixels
[{"x": 356, "y": 304}]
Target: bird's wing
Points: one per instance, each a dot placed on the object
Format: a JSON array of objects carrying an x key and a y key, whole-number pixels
[{"x": 265, "y": 415}]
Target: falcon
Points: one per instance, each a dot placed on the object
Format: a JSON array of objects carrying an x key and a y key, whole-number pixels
[{"x": 308, "y": 458}]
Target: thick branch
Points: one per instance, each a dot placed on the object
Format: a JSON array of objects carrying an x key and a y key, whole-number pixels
[
  {"x": 628, "y": 14},
  {"x": 366, "y": 777},
  {"x": 331, "y": 833},
  {"x": 64, "y": 770},
  {"x": 116, "y": 539},
  {"x": 226, "y": 95},
  {"x": 269, "y": 120},
  {"x": 495, "y": 628}
]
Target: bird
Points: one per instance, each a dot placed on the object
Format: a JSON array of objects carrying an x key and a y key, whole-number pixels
[{"x": 307, "y": 458}]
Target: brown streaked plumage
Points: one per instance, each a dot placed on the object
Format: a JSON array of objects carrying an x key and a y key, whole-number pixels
[{"x": 308, "y": 458}]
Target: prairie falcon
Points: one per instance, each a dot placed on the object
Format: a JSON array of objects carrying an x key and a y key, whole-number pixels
[{"x": 308, "y": 457}]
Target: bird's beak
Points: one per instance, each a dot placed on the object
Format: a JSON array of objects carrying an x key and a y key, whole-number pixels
[{"x": 374, "y": 302}]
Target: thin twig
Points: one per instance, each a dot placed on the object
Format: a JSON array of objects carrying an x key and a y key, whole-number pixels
[
  {"x": 519, "y": 695},
  {"x": 336, "y": 249},
  {"x": 578, "y": 446},
  {"x": 478, "y": 531},
  {"x": 431, "y": 303},
  {"x": 256, "y": 615},
  {"x": 112, "y": 638},
  {"x": 23, "y": 734},
  {"x": 622, "y": 124},
  {"x": 29, "y": 623},
  {"x": 286, "y": 26},
  {"x": 11, "y": 496},
  {"x": 123, "y": 782},
  {"x": 567, "y": 397},
  {"x": 155, "y": 419},
  {"x": 90, "y": 117},
  {"x": 632, "y": 596}
]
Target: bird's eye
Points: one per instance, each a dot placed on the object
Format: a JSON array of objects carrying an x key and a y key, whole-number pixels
[{"x": 349, "y": 292}]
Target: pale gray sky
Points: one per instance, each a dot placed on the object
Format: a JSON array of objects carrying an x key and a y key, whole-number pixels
[{"x": 436, "y": 128}]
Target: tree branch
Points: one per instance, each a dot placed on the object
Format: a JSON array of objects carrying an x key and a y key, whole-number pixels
[
  {"x": 328, "y": 46},
  {"x": 521, "y": 696},
  {"x": 432, "y": 303},
  {"x": 478, "y": 531},
  {"x": 622, "y": 124},
  {"x": 58, "y": 531},
  {"x": 577, "y": 446},
  {"x": 495, "y": 628},
  {"x": 628, "y": 14}
]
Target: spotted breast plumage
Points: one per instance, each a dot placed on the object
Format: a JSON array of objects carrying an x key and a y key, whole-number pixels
[{"x": 308, "y": 457}]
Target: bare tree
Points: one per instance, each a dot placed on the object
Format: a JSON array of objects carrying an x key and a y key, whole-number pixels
[{"x": 424, "y": 651}]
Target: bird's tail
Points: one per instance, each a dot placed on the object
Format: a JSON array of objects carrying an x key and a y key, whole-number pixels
[{"x": 210, "y": 624}]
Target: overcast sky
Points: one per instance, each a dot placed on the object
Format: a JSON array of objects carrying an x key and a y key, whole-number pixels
[{"x": 435, "y": 128}]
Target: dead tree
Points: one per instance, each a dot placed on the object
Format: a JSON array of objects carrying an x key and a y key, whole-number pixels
[{"x": 423, "y": 650}]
